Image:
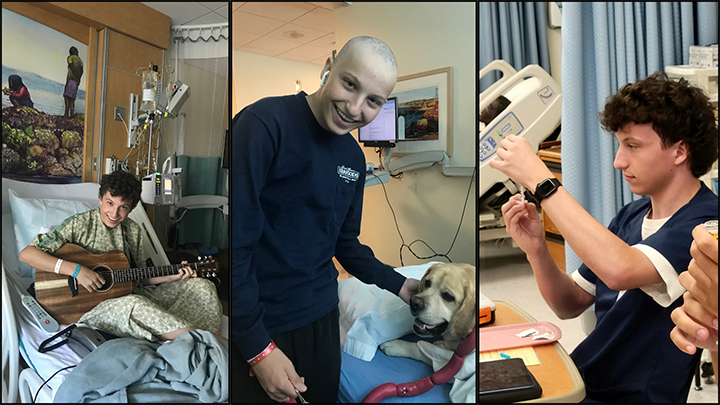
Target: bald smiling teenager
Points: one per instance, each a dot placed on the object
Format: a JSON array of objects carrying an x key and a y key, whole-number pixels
[{"x": 298, "y": 181}]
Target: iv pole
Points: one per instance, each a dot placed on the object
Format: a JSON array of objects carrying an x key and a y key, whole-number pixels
[{"x": 147, "y": 171}]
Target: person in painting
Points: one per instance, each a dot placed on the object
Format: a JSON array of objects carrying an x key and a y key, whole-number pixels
[
  {"x": 19, "y": 94},
  {"x": 75, "y": 72}
]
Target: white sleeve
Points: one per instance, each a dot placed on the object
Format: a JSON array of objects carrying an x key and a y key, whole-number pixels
[
  {"x": 583, "y": 283},
  {"x": 666, "y": 292}
]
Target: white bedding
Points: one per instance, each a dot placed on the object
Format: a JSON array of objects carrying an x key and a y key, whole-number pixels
[{"x": 370, "y": 315}]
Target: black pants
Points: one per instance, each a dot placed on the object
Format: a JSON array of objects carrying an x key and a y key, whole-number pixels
[{"x": 314, "y": 350}]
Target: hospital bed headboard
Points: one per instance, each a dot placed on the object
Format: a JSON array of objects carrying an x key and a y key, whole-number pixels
[{"x": 528, "y": 104}]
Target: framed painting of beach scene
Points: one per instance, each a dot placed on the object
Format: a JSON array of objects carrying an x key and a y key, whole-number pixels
[
  {"x": 424, "y": 111},
  {"x": 43, "y": 102}
]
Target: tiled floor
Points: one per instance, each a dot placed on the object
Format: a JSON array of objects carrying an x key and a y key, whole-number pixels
[{"x": 506, "y": 275}]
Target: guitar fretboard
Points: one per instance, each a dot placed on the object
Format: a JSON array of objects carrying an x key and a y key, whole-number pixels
[{"x": 141, "y": 273}]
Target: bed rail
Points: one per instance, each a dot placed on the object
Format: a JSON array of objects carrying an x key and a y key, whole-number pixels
[{"x": 10, "y": 350}]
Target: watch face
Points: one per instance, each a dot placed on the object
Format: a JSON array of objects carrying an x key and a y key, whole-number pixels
[{"x": 546, "y": 187}]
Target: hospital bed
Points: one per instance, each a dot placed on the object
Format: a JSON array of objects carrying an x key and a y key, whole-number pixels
[
  {"x": 527, "y": 103},
  {"x": 21, "y": 336},
  {"x": 370, "y": 316}
]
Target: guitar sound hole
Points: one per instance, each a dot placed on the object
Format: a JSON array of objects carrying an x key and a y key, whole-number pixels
[{"x": 107, "y": 275}]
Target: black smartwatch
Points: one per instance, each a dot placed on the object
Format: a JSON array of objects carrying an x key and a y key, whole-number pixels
[{"x": 545, "y": 188}]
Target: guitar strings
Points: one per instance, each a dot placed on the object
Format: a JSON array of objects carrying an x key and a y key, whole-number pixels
[{"x": 107, "y": 275}]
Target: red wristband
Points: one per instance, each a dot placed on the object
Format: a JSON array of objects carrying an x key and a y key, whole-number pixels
[{"x": 257, "y": 359}]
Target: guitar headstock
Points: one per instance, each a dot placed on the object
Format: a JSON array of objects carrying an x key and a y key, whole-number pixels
[{"x": 207, "y": 267}]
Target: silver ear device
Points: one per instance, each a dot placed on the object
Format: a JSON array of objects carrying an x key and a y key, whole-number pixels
[{"x": 324, "y": 77}]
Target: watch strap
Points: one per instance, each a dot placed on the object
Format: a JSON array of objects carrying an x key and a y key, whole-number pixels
[{"x": 546, "y": 188}]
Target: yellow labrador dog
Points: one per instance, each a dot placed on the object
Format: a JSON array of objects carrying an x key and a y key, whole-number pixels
[{"x": 445, "y": 304}]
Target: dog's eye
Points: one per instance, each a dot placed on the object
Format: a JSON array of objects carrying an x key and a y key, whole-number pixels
[
  {"x": 447, "y": 297},
  {"x": 427, "y": 283}
]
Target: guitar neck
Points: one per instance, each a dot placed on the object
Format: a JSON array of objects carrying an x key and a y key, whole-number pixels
[{"x": 142, "y": 273}]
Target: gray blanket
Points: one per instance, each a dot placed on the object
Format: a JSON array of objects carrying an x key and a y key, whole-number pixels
[{"x": 192, "y": 368}]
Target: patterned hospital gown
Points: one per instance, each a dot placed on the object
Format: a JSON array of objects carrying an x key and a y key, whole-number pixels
[{"x": 150, "y": 310}]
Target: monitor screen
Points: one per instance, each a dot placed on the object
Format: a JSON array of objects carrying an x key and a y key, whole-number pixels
[{"x": 382, "y": 131}]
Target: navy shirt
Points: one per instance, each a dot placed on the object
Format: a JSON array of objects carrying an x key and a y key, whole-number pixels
[
  {"x": 629, "y": 356},
  {"x": 297, "y": 193}
]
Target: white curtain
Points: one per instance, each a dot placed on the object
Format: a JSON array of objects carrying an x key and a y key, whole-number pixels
[{"x": 199, "y": 56}]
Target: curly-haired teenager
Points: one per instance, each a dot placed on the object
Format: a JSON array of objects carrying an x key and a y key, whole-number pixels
[
  {"x": 667, "y": 138},
  {"x": 160, "y": 307}
]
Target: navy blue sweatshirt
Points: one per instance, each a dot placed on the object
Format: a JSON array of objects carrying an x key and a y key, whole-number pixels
[{"x": 297, "y": 193}]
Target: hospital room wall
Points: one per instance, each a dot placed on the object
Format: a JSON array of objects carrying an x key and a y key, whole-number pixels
[
  {"x": 423, "y": 37},
  {"x": 257, "y": 76}
]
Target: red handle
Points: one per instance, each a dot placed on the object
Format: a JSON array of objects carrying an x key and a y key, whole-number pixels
[
  {"x": 380, "y": 392},
  {"x": 448, "y": 371},
  {"x": 468, "y": 344},
  {"x": 415, "y": 388}
]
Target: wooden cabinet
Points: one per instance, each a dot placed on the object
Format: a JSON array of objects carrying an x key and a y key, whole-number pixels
[{"x": 555, "y": 241}]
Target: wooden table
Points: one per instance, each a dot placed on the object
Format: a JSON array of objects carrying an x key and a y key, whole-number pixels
[{"x": 556, "y": 374}]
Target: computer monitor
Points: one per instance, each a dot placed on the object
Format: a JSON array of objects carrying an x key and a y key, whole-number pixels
[{"x": 382, "y": 131}]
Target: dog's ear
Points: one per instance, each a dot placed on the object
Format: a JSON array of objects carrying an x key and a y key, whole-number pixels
[
  {"x": 463, "y": 321},
  {"x": 421, "y": 284}
]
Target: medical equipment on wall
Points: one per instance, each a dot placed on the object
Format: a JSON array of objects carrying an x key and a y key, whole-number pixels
[
  {"x": 162, "y": 188},
  {"x": 384, "y": 131},
  {"x": 178, "y": 95},
  {"x": 166, "y": 189},
  {"x": 528, "y": 104}
]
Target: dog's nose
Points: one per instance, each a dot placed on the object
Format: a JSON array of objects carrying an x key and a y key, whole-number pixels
[{"x": 416, "y": 304}]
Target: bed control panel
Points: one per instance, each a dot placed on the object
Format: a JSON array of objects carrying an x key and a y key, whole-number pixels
[
  {"x": 490, "y": 142},
  {"x": 41, "y": 316}
]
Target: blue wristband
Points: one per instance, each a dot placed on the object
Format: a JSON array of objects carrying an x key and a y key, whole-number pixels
[{"x": 77, "y": 270}]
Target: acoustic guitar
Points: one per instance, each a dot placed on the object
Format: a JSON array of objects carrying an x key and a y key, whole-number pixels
[{"x": 53, "y": 292}]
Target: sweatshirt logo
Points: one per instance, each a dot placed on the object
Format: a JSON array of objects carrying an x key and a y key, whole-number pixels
[{"x": 347, "y": 174}]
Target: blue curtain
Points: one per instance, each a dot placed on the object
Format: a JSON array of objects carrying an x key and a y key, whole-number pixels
[
  {"x": 606, "y": 45},
  {"x": 514, "y": 32}
]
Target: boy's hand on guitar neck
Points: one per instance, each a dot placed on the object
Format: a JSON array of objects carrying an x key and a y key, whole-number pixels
[{"x": 183, "y": 273}]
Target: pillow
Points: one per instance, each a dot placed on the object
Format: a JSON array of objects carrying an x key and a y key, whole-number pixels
[
  {"x": 30, "y": 215},
  {"x": 370, "y": 315}
]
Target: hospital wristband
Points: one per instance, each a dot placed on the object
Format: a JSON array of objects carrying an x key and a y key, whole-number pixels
[
  {"x": 77, "y": 270},
  {"x": 257, "y": 359},
  {"x": 57, "y": 266}
]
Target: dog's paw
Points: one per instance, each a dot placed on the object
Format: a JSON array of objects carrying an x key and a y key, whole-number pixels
[{"x": 394, "y": 348}]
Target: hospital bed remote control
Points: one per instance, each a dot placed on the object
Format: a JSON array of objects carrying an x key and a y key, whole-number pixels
[{"x": 41, "y": 316}]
